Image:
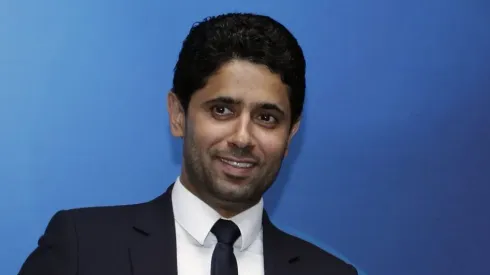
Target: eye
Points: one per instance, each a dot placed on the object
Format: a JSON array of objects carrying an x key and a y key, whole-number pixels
[
  {"x": 267, "y": 118},
  {"x": 221, "y": 110}
]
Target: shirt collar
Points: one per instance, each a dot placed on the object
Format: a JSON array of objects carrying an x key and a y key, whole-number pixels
[{"x": 197, "y": 218}]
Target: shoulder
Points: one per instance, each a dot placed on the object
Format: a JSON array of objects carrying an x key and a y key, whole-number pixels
[
  {"x": 315, "y": 258},
  {"x": 97, "y": 219},
  {"x": 102, "y": 214},
  {"x": 113, "y": 221}
]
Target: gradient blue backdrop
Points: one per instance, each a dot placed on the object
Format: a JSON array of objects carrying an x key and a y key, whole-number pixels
[{"x": 391, "y": 169}]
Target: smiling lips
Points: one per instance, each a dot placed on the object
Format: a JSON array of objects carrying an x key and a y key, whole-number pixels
[
  {"x": 238, "y": 167},
  {"x": 238, "y": 164}
]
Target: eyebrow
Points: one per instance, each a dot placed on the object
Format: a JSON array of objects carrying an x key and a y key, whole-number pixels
[
  {"x": 233, "y": 101},
  {"x": 223, "y": 99}
]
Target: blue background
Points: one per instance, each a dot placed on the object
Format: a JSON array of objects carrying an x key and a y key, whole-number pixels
[{"x": 390, "y": 171}]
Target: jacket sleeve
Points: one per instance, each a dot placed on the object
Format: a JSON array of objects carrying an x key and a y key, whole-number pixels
[{"x": 57, "y": 250}]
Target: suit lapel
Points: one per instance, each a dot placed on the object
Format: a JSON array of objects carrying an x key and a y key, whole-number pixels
[
  {"x": 279, "y": 259},
  {"x": 153, "y": 248}
]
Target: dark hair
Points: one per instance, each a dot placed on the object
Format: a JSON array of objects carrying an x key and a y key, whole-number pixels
[{"x": 255, "y": 38}]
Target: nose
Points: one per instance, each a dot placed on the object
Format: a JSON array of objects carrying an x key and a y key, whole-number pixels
[{"x": 242, "y": 136}]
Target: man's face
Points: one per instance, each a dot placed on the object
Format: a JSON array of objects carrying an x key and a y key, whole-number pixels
[{"x": 236, "y": 133}]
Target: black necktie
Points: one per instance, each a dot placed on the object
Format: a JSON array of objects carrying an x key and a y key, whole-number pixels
[{"x": 223, "y": 261}]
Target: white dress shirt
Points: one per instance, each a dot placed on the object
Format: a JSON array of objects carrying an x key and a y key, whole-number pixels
[{"x": 195, "y": 243}]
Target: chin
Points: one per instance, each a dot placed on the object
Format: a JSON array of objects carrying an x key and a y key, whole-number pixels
[{"x": 229, "y": 190}]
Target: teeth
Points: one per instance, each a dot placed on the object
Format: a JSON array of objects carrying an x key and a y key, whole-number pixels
[{"x": 237, "y": 164}]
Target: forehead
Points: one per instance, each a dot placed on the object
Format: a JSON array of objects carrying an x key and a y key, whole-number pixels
[{"x": 248, "y": 82}]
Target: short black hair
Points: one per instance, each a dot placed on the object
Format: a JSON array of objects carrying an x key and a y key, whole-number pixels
[{"x": 246, "y": 36}]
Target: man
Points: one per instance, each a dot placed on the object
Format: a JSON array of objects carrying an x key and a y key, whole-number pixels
[{"x": 237, "y": 98}]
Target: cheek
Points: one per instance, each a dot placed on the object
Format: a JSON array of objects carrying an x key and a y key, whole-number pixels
[
  {"x": 272, "y": 144},
  {"x": 207, "y": 133}
]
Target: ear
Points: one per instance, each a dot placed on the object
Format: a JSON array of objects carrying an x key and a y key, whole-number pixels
[
  {"x": 292, "y": 132},
  {"x": 176, "y": 115}
]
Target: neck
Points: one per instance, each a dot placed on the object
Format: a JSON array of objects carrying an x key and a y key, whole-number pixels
[{"x": 226, "y": 209}]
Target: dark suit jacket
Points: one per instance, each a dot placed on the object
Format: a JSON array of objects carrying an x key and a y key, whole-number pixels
[{"x": 140, "y": 240}]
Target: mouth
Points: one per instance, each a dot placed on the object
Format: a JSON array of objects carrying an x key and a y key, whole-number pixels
[
  {"x": 237, "y": 168},
  {"x": 238, "y": 163}
]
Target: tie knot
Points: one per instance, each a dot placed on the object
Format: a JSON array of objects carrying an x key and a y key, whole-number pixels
[{"x": 226, "y": 231}]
